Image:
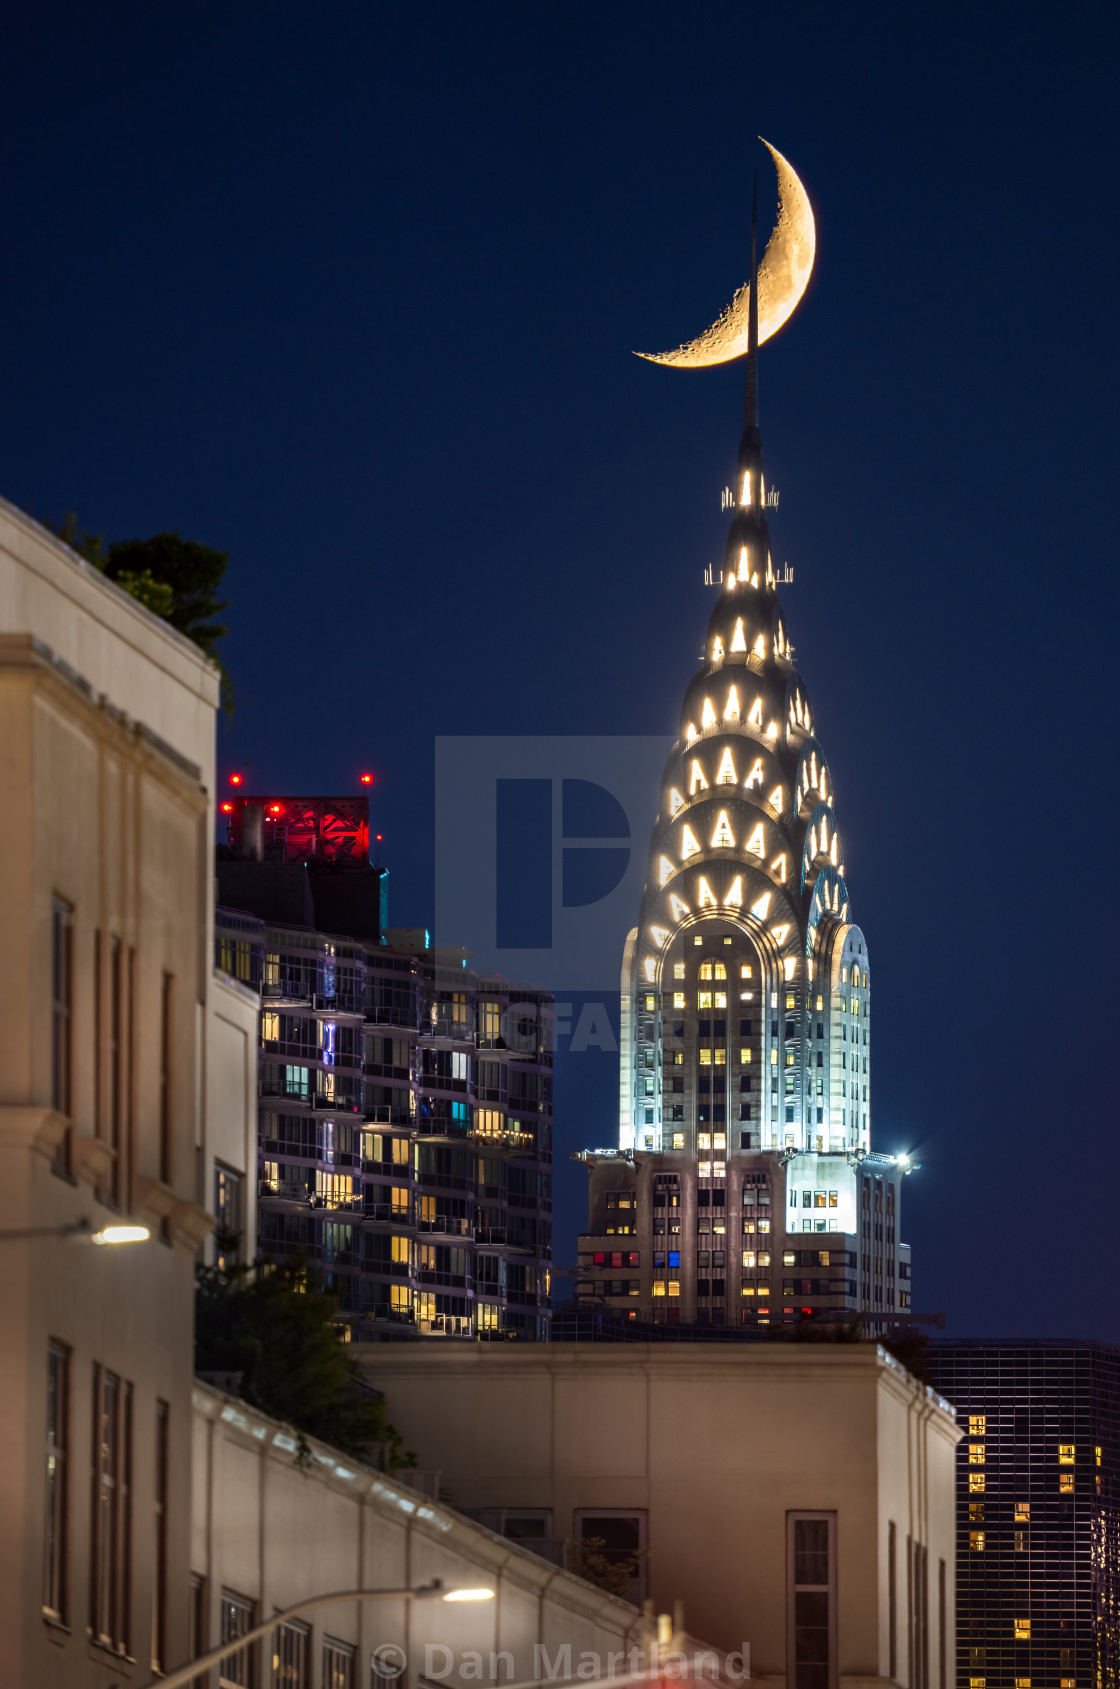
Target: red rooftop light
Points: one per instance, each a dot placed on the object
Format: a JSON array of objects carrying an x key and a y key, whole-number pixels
[
  {"x": 276, "y": 809},
  {"x": 227, "y": 809},
  {"x": 380, "y": 837},
  {"x": 236, "y": 779},
  {"x": 367, "y": 779}
]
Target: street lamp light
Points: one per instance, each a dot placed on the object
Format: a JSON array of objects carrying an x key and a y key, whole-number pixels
[
  {"x": 205, "y": 1662},
  {"x": 83, "y": 1229}
]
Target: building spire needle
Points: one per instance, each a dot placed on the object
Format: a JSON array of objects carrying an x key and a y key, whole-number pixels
[{"x": 750, "y": 397}]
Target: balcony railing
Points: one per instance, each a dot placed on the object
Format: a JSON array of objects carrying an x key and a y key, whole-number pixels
[{"x": 447, "y": 1225}]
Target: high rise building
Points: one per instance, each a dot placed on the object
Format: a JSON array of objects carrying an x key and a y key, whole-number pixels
[
  {"x": 405, "y": 1112},
  {"x": 1038, "y": 1511},
  {"x": 744, "y": 1187}
]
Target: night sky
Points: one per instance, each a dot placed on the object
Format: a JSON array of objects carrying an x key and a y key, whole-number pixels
[{"x": 351, "y": 291}]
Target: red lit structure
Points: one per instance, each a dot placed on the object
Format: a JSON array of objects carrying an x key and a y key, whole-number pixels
[{"x": 312, "y": 830}]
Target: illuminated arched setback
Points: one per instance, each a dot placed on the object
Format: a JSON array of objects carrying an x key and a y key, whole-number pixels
[{"x": 745, "y": 1092}]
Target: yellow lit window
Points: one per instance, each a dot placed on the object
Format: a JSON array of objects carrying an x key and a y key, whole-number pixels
[
  {"x": 976, "y": 1512},
  {"x": 400, "y": 1297},
  {"x": 678, "y": 1140},
  {"x": 764, "y": 1259},
  {"x": 704, "y": 1169},
  {"x": 1067, "y": 1454},
  {"x": 764, "y": 1225},
  {"x": 703, "y": 1140},
  {"x": 270, "y": 1025},
  {"x": 1021, "y": 1629},
  {"x": 976, "y": 1454},
  {"x": 719, "y": 970},
  {"x": 1020, "y": 1540},
  {"x": 1068, "y": 1683},
  {"x": 678, "y": 970},
  {"x": 678, "y": 1000},
  {"x": 745, "y": 1053},
  {"x": 976, "y": 1483},
  {"x": 1065, "y": 1483},
  {"x": 719, "y": 1140},
  {"x": 748, "y": 1257},
  {"x": 1022, "y": 1683},
  {"x": 744, "y": 970},
  {"x": 400, "y": 1248},
  {"x": 748, "y": 1290},
  {"x": 1097, "y": 1452},
  {"x": 774, "y": 1056},
  {"x": 651, "y": 1001},
  {"x": 400, "y": 1200},
  {"x": 1022, "y": 1512},
  {"x": 705, "y": 970},
  {"x": 721, "y": 999},
  {"x": 977, "y": 1683},
  {"x": 678, "y": 1058},
  {"x": 674, "y": 1287},
  {"x": 790, "y": 1058},
  {"x": 703, "y": 999},
  {"x": 720, "y": 1057},
  {"x": 791, "y": 1000},
  {"x": 705, "y": 1058},
  {"x": 719, "y": 1169},
  {"x": 976, "y": 1541},
  {"x": 977, "y": 1425},
  {"x": 659, "y": 1287}
]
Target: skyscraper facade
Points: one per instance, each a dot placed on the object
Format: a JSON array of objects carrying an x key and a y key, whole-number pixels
[
  {"x": 1038, "y": 1511},
  {"x": 744, "y": 1187},
  {"x": 405, "y": 1125}
]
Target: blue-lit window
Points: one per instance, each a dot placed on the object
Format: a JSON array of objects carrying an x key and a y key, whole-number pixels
[{"x": 674, "y": 1257}]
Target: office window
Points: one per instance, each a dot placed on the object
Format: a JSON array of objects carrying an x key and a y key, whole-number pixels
[
  {"x": 237, "y": 1670},
  {"x": 54, "y": 1536},
  {"x": 1022, "y": 1512},
  {"x": 976, "y": 1541},
  {"x": 111, "y": 1523},
  {"x": 61, "y": 988},
  {"x": 1065, "y": 1483},
  {"x": 976, "y": 1454},
  {"x": 228, "y": 1222},
  {"x": 811, "y": 1585},
  {"x": 1067, "y": 1454},
  {"x": 976, "y": 1483},
  {"x": 338, "y": 1664},
  {"x": 977, "y": 1424},
  {"x": 159, "y": 1559},
  {"x": 291, "y": 1656},
  {"x": 1021, "y": 1629}
]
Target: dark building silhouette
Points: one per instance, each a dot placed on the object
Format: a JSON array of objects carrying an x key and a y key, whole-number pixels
[{"x": 1038, "y": 1544}]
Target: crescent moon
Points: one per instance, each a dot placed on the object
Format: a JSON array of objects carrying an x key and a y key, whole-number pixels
[{"x": 783, "y": 276}]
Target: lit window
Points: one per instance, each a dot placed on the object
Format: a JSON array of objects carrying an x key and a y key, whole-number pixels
[
  {"x": 976, "y": 1483},
  {"x": 726, "y": 775},
  {"x": 696, "y": 780},
  {"x": 659, "y": 1287},
  {"x": 651, "y": 1002},
  {"x": 731, "y": 713},
  {"x": 678, "y": 1140},
  {"x": 977, "y": 1683},
  {"x": 720, "y": 1056},
  {"x": 704, "y": 1140},
  {"x": 678, "y": 1000},
  {"x": 1097, "y": 1452},
  {"x": 977, "y": 1425},
  {"x": 976, "y": 1454},
  {"x": 1020, "y": 1539},
  {"x": 755, "y": 842},
  {"x": 678, "y": 970},
  {"x": 774, "y": 1056},
  {"x": 704, "y": 1169},
  {"x": 1065, "y": 1483},
  {"x": 754, "y": 778},
  {"x": 676, "y": 802},
  {"x": 748, "y": 1258},
  {"x": 1021, "y": 1629},
  {"x": 703, "y": 1001},
  {"x": 976, "y": 1541},
  {"x": 665, "y": 871},
  {"x": 723, "y": 838},
  {"x": 1067, "y": 1454},
  {"x": 1022, "y": 1683},
  {"x": 270, "y": 1025},
  {"x": 745, "y": 1053},
  {"x": 1022, "y": 1512},
  {"x": 689, "y": 846},
  {"x": 708, "y": 715},
  {"x": 674, "y": 1287}
]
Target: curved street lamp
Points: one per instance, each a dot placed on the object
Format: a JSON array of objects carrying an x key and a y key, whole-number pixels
[
  {"x": 188, "y": 1674},
  {"x": 83, "y": 1229}
]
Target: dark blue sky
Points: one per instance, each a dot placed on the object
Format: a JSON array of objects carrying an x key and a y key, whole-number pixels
[{"x": 350, "y": 291}]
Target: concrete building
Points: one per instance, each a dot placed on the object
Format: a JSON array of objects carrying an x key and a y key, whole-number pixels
[
  {"x": 254, "y": 1513},
  {"x": 747, "y": 1476},
  {"x": 744, "y": 1189},
  {"x": 1038, "y": 1511},
  {"x": 405, "y": 1100},
  {"x": 126, "y": 1095}
]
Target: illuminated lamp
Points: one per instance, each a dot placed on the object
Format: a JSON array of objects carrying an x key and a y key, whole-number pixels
[
  {"x": 276, "y": 809},
  {"x": 227, "y": 809},
  {"x": 236, "y": 779},
  {"x": 366, "y": 779},
  {"x": 380, "y": 837}
]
